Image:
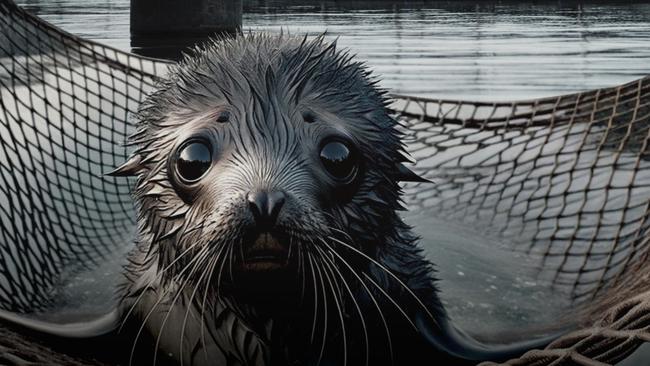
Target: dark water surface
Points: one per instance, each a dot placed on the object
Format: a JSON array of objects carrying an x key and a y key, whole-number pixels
[
  {"x": 445, "y": 50},
  {"x": 454, "y": 50}
]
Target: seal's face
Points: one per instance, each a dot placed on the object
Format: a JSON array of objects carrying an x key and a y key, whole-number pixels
[
  {"x": 262, "y": 154},
  {"x": 263, "y": 176}
]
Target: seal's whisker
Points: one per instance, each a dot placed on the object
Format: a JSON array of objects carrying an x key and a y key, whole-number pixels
[
  {"x": 313, "y": 276},
  {"x": 401, "y": 310},
  {"x": 348, "y": 237},
  {"x": 190, "y": 303},
  {"x": 339, "y": 307},
  {"x": 159, "y": 275},
  {"x": 338, "y": 291},
  {"x": 391, "y": 274},
  {"x": 201, "y": 257},
  {"x": 372, "y": 298},
  {"x": 153, "y": 308},
  {"x": 303, "y": 274},
  {"x": 325, "y": 307},
  {"x": 218, "y": 259},
  {"x": 290, "y": 248},
  {"x": 298, "y": 256},
  {"x": 132, "y": 307},
  {"x": 230, "y": 256},
  {"x": 144, "y": 322},
  {"x": 390, "y": 298},
  {"x": 222, "y": 266},
  {"x": 334, "y": 267},
  {"x": 241, "y": 255}
]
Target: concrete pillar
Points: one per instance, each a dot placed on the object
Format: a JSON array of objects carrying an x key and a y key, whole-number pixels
[{"x": 163, "y": 28}]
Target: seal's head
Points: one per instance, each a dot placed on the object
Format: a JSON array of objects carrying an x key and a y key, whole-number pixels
[{"x": 260, "y": 154}]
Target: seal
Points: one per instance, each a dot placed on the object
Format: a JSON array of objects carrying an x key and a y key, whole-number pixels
[{"x": 268, "y": 196}]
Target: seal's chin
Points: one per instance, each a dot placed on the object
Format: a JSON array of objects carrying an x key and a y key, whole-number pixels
[
  {"x": 265, "y": 252},
  {"x": 266, "y": 271}
]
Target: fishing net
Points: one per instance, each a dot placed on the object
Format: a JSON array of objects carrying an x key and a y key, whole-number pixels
[
  {"x": 563, "y": 180},
  {"x": 64, "y": 118}
]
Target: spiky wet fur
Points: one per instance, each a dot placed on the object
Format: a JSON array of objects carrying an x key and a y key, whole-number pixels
[{"x": 357, "y": 255}]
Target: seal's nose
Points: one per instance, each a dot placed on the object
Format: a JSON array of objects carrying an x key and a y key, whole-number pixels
[{"x": 266, "y": 206}]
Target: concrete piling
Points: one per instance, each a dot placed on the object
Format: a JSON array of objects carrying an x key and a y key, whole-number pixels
[{"x": 164, "y": 28}]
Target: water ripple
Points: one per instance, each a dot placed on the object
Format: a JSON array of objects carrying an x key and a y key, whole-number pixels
[{"x": 445, "y": 50}]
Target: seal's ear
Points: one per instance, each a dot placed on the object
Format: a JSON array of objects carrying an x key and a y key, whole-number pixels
[
  {"x": 407, "y": 175},
  {"x": 130, "y": 168}
]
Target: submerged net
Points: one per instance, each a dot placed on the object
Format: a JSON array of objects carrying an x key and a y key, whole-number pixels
[
  {"x": 64, "y": 116},
  {"x": 564, "y": 180}
]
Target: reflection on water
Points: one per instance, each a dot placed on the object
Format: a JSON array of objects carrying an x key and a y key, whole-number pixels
[
  {"x": 106, "y": 21},
  {"x": 444, "y": 50}
]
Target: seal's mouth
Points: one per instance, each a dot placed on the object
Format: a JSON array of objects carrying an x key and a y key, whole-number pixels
[{"x": 265, "y": 251}]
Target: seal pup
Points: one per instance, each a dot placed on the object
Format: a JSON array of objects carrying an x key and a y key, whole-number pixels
[{"x": 267, "y": 193}]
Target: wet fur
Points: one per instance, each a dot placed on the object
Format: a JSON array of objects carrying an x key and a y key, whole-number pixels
[{"x": 359, "y": 262}]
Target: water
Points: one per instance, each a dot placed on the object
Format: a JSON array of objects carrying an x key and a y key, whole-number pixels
[
  {"x": 458, "y": 50},
  {"x": 487, "y": 289}
]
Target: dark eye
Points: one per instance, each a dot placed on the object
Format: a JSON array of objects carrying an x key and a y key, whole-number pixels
[
  {"x": 193, "y": 160},
  {"x": 339, "y": 160}
]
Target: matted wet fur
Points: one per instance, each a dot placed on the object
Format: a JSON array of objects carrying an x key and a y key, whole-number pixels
[{"x": 352, "y": 286}]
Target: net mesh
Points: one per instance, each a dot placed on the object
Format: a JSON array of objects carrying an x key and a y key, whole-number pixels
[
  {"x": 565, "y": 180},
  {"x": 63, "y": 119}
]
